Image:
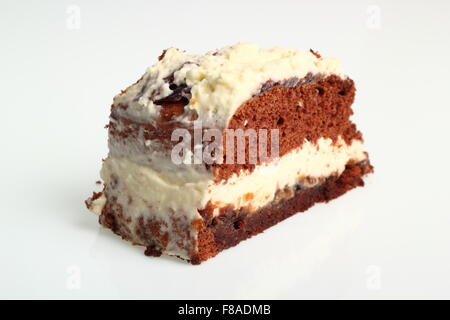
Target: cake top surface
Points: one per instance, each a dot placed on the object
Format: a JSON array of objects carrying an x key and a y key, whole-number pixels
[{"x": 217, "y": 83}]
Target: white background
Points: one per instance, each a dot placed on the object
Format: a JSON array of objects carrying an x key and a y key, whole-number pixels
[{"x": 58, "y": 77}]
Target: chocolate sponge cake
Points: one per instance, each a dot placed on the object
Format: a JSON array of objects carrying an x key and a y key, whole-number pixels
[{"x": 208, "y": 150}]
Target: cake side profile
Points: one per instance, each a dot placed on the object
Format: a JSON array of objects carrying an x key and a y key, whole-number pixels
[{"x": 279, "y": 123}]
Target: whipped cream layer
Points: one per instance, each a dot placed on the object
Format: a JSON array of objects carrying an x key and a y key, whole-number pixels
[
  {"x": 306, "y": 167},
  {"x": 217, "y": 83},
  {"x": 183, "y": 189}
]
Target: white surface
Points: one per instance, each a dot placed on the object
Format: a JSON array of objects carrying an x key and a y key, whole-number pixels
[{"x": 388, "y": 240}]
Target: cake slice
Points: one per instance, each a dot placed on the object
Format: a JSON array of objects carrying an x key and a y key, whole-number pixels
[{"x": 208, "y": 150}]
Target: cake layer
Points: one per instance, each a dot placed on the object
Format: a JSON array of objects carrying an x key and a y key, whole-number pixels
[
  {"x": 221, "y": 228},
  {"x": 316, "y": 109},
  {"x": 232, "y": 226}
]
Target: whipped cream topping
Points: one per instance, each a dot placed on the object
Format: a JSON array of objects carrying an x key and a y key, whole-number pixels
[{"x": 219, "y": 81}]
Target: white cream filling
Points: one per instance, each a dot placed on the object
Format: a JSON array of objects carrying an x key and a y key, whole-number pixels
[
  {"x": 169, "y": 192},
  {"x": 220, "y": 81},
  {"x": 182, "y": 192},
  {"x": 96, "y": 206},
  {"x": 255, "y": 190}
]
